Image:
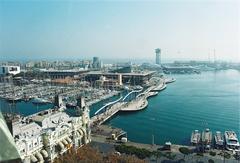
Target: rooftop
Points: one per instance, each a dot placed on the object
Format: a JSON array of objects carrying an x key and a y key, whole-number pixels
[
  {"x": 144, "y": 73},
  {"x": 71, "y": 70}
]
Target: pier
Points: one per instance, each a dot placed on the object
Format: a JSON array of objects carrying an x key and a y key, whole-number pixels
[
  {"x": 134, "y": 91},
  {"x": 137, "y": 104},
  {"x": 108, "y": 104},
  {"x": 101, "y": 118},
  {"x": 122, "y": 99}
]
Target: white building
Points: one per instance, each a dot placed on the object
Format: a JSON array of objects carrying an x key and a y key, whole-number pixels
[
  {"x": 9, "y": 70},
  {"x": 48, "y": 134}
]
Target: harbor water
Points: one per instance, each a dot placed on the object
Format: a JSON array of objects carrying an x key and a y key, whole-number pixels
[
  {"x": 24, "y": 108},
  {"x": 206, "y": 100},
  {"x": 194, "y": 101}
]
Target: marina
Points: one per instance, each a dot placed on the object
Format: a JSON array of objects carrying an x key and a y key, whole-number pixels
[
  {"x": 128, "y": 102},
  {"x": 137, "y": 104},
  {"x": 168, "y": 112},
  {"x": 136, "y": 99},
  {"x": 208, "y": 141},
  {"x": 120, "y": 82},
  {"x": 44, "y": 93}
]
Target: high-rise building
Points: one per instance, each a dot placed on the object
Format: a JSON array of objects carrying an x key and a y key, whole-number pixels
[
  {"x": 158, "y": 56},
  {"x": 97, "y": 64}
]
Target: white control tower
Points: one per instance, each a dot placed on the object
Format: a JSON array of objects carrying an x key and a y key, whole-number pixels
[{"x": 158, "y": 56}]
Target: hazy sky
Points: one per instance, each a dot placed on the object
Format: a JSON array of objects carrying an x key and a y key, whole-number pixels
[{"x": 124, "y": 29}]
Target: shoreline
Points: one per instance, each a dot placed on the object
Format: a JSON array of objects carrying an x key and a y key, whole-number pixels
[
  {"x": 139, "y": 103},
  {"x": 99, "y": 140},
  {"x": 169, "y": 112}
]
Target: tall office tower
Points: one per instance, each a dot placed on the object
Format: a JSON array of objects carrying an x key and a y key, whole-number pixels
[
  {"x": 96, "y": 63},
  {"x": 158, "y": 56}
]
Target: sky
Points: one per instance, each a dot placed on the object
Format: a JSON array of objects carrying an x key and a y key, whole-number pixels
[{"x": 72, "y": 29}]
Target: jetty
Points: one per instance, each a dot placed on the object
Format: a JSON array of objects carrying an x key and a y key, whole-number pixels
[
  {"x": 134, "y": 91},
  {"x": 108, "y": 104},
  {"x": 139, "y": 103},
  {"x": 135, "y": 105},
  {"x": 169, "y": 80},
  {"x": 101, "y": 118},
  {"x": 160, "y": 87}
]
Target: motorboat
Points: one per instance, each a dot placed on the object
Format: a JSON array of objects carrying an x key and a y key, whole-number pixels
[
  {"x": 219, "y": 139},
  {"x": 195, "y": 137},
  {"x": 232, "y": 143}
]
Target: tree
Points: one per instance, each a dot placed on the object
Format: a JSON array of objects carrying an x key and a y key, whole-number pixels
[
  {"x": 157, "y": 154},
  {"x": 185, "y": 151},
  {"x": 90, "y": 154},
  {"x": 212, "y": 153},
  {"x": 210, "y": 161}
]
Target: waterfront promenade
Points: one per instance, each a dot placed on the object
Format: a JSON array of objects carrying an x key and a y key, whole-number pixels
[
  {"x": 102, "y": 141},
  {"x": 101, "y": 118},
  {"x": 135, "y": 105},
  {"x": 139, "y": 103}
]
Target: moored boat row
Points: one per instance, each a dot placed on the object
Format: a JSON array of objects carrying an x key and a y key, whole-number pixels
[{"x": 228, "y": 141}]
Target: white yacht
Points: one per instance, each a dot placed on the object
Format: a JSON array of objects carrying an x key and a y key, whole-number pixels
[
  {"x": 219, "y": 139},
  {"x": 195, "y": 137},
  {"x": 170, "y": 80},
  {"x": 207, "y": 138},
  {"x": 232, "y": 143},
  {"x": 37, "y": 100}
]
